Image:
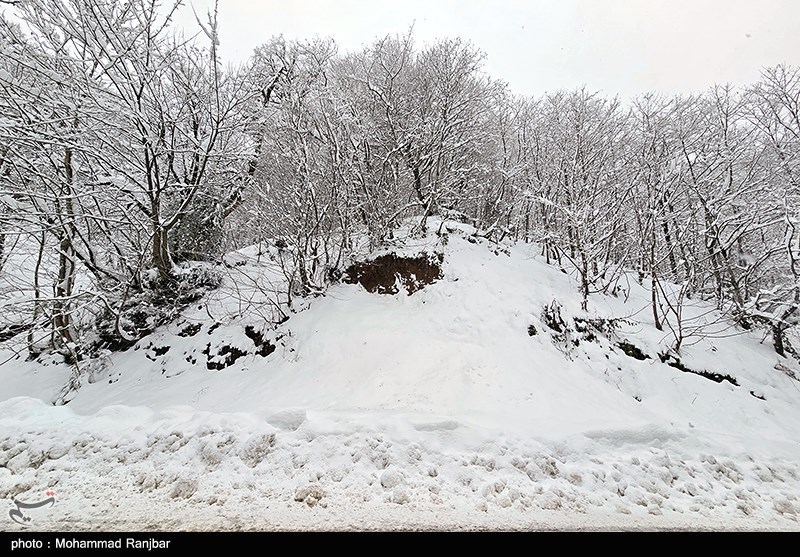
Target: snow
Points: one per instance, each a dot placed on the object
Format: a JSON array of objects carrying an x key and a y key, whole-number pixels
[{"x": 437, "y": 411}]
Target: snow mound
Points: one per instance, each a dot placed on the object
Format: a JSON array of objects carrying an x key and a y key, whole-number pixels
[{"x": 487, "y": 398}]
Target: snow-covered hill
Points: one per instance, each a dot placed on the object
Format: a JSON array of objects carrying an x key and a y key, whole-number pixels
[{"x": 486, "y": 399}]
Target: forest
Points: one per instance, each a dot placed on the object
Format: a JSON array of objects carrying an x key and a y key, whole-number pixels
[{"x": 133, "y": 158}]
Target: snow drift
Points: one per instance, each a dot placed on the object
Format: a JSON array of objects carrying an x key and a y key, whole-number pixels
[{"x": 481, "y": 397}]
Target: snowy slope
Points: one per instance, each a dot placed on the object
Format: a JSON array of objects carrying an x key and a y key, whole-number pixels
[{"x": 434, "y": 410}]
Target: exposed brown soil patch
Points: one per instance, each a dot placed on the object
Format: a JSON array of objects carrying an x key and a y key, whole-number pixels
[{"x": 388, "y": 273}]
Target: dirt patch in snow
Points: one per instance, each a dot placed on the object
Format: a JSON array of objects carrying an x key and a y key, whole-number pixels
[
  {"x": 223, "y": 356},
  {"x": 632, "y": 351},
  {"x": 673, "y": 361},
  {"x": 387, "y": 274},
  {"x": 190, "y": 330},
  {"x": 263, "y": 346}
]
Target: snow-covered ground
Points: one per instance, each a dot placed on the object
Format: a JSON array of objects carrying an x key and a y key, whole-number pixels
[{"x": 444, "y": 409}]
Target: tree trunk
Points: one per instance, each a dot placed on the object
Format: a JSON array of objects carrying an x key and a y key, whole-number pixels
[
  {"x": 654, "y": 300},
  {"x": 160, "y": 254},
  {"x": 37, "y": 294},
  {"x": 584, "y": 280},
  {"x": 777, "y": 340},
  {"x": 654, "y": 278},
  {"x": 673, "y": 264},
  {"x": 62, "y": 306}
]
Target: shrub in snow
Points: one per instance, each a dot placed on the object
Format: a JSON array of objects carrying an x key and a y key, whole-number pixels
[
  {"x": 551, "y": 315},
  {"x": 153, "y": 304},
  {"x": 199, "y": 235}
]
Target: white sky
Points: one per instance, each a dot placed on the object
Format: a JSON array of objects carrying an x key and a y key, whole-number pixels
[{"x": 618, "y": 46}]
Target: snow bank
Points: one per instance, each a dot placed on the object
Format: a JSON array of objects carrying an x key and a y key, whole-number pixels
[
  {"x": 458, "y": 406},
  {"x": 183, "y": 469}
]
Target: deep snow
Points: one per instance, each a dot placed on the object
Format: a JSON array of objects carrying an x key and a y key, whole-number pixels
[{"x": 435, "y": 410}]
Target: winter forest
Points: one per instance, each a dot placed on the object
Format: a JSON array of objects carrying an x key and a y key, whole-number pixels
[
  {"x": 134, "y": 159},
  {"x": 128, "y": 152}
]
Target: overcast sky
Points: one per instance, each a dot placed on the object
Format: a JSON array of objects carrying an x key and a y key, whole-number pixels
[{"x": 618, "y": 46}]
